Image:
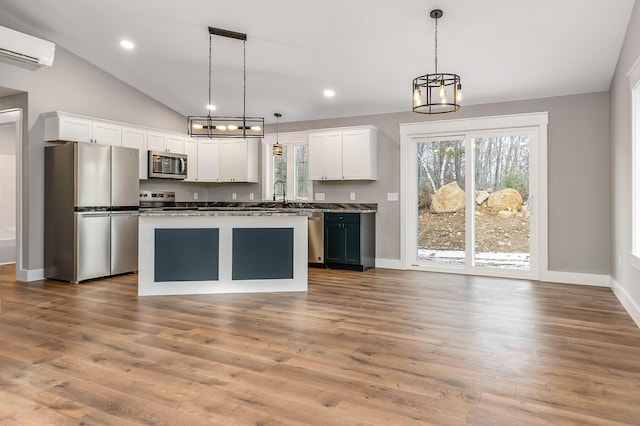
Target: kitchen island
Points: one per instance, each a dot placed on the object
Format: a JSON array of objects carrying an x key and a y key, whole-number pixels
[{"x": 222, "y": 251}]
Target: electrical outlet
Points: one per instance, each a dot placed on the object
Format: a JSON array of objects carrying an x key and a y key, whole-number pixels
[
  {"x": 392, "y": 196},
  {"x": 251, "y": 195},
  {"x": 234, "y": 196},
  {"x": 319, "y": 196},
  {"x": 352, "y": 196},
  {"x": 195, "y": 195}
]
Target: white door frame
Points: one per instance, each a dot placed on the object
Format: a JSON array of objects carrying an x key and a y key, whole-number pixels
[
  {"x": 14, "y": 116},
  {"x": 411, "y": 132}
]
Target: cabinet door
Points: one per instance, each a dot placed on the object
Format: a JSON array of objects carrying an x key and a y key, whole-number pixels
[
  {"x": 191, "y": 150},
  {"x": 352, "y": 242},
  {"x": 316, "y": 157},
  {"x": 325, "y": 156},
  {"x": 332, "y": 156},
  {"x": 155, "y": 141},
  {"x": 227, "y": 160},
  {"x": 74, "y": 129},
  {"x": 107, "y": 133},
  {"x": 174, "y": 143},
  {"x": 133, "y": 137},
  {"x": 208, "y": 161},
  {"x": 240, "y": 171},
  {"x": 359, "y": 150},
  {"x": 333, "y": 242}
]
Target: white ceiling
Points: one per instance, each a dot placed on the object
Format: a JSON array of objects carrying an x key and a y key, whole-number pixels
[{"x": 368, "y": 51}]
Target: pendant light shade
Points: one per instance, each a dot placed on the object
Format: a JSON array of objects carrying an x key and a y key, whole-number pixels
[
  {"x": 211, "y": 126},
  {"x": 277, "y": 147},
  {"x": 439, "y": 92}
]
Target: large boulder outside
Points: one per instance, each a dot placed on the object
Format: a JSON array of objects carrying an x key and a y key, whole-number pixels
[
  {"x": 505, "y": 199},
  {"x": 448, "y": 199}
]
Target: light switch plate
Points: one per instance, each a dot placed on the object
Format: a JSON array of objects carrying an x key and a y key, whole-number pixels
[
  {"x": 392, "y": 196},
  {"x": 319, "y": 196},
  {"x": 251, "y": 195},
  {"x": 234, "y": 196},
  {"x": 195, "y": 195}
]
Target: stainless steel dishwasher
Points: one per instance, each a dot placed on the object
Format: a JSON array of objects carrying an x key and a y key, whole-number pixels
[{"x": 316, "y": 239}]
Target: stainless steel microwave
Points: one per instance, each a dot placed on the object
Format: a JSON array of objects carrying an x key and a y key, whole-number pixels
[{"x": 167, "y": 165}]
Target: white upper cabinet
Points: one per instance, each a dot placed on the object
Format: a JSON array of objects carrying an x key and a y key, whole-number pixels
[
  {"x": 106, "y": 133},
  {"x": 191, "y": 150},
  {"x": 174, "y": 143},
  {"x": 360, "y": 154},
  {"x": 62, "y": 126},
  {"x": 67, "y": 127},
  {"x": 325, "y": 155},
  {"x": 208, "y": 160},
  {"x": 136, "y": 137},
  {"x": 347, "y": 154},
  {"x": 238, "y": 160},
  {"x": 165, "y": 141}
]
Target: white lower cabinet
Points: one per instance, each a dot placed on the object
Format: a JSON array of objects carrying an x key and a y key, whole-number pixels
[{"x": 136, "y": 137}]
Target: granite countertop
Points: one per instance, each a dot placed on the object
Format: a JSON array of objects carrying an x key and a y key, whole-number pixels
[
  {"x": 195, "y": 212},
  {"x": 264, "y": 208}
]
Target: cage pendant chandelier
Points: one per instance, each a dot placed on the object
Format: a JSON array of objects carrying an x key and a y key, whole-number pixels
[
  {"x": 440, "y": 92},
  {"x": 219, "y": 127}
]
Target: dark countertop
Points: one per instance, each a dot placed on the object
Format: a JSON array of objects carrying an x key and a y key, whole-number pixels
[{"x": 268, "y": 205}]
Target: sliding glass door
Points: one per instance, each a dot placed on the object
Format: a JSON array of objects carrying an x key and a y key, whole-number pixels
[{"x": 474, "y": 207}]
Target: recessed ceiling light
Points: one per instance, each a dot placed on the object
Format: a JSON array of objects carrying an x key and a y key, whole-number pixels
[
  {"x": 211, "y": 107},
  {"x": 127, "y": 44},
  {"x": 329, "y": 93}
]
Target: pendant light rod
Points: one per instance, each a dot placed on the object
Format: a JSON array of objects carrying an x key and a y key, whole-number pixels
[
  {"x": 227, "y": 33},
  {"x": 436, "y": 14}
]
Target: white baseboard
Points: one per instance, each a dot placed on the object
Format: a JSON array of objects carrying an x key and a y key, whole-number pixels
[
  {"x": 595, "y": 280},
  {"x": 389, "y": 263},
  {"x": 28, "y": 275},
  {"x": 632, "y": 307}
]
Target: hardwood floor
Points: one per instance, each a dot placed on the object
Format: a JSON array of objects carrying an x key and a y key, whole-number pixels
[{"x": 379, "y": 347}]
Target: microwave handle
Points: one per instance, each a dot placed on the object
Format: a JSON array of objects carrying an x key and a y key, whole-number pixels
[{"x": 183, "y": 166}]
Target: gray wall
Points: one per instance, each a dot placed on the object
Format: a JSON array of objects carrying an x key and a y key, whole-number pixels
[
  {"x": 578, "y": 167},
  {"x": 578, "y": 157},
  {"x": 75, "y": 86},
  {"x": 621, "y": 163}
]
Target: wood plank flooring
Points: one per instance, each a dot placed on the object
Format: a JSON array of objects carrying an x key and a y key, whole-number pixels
[{"x": 382, "y": 347}]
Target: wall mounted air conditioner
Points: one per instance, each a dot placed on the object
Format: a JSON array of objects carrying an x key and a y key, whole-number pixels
[{"x": 25, "y": 48}]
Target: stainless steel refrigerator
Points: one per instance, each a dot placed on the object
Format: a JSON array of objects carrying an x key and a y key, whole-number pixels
[{"x": 91, "y": 211}]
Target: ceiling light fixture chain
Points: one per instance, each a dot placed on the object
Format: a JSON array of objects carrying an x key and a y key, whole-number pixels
[{"x": 430, "y": 90}]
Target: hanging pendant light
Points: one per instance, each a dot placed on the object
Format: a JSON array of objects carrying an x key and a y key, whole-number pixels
[
  {"x": 436, "y": 93},
  {"x": 277, "y": 147},
  {"x": 211, "y": 126}
]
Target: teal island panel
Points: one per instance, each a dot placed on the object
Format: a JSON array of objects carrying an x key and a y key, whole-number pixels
[
  {"x": 186, "y": 254},
  {"x": 262, "y": 253}
]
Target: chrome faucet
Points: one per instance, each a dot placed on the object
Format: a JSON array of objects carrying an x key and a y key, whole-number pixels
[{"x": 284, "y": 191}]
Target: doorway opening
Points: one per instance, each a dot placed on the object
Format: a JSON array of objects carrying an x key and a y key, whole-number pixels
[{"x": 10, "y": 187}]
